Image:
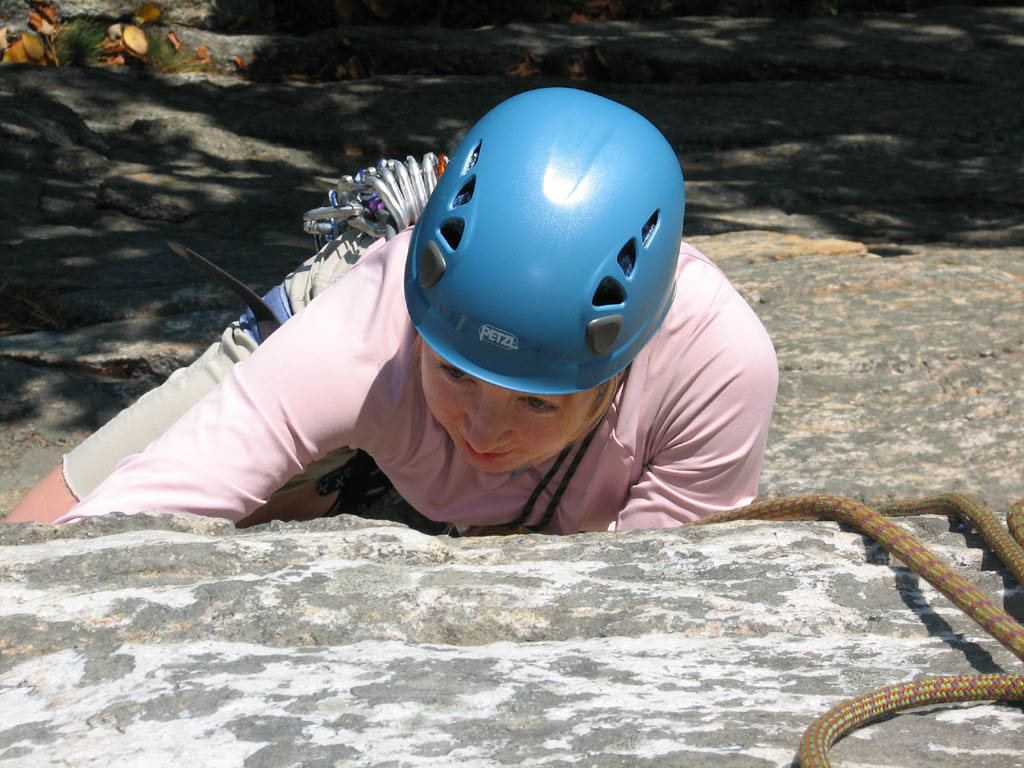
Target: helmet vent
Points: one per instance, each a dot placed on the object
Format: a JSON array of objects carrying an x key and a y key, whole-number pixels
[
  {"x": 602, "y": 333},
  {"x": 473, "y": 156},
  {"x": 465, "y": 194},
  {"x": 432, "y": 265},
  {"x": 452, "y": 231},
  {"x": 609, "y": 293},
  {"x": 627, "y": 258},
  {"x": 649, "y": 228}
]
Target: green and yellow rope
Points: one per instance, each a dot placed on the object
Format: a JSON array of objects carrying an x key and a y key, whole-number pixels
[{"x": 850, "y": 715}]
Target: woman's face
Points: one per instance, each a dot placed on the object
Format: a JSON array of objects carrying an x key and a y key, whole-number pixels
[{"x": 494, "y": 429}]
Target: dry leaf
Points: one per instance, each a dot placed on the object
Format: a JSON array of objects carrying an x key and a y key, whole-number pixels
[
  {"x": 203, "y": 53},
  {"x": 117, "y": 59},
  {"x": 240, "y": 63},
  {"x": 528, "y": 66},
  {"x": 16, "y": 53},
  {"x": 148, "y": 13},
  {"x": 134, "y": 41},
  {"x": 45, "y": 10},
  {"x": 33, "y": 44},
  {"x": 3, "y": 39},
  {"x": 174, "y": 40}
]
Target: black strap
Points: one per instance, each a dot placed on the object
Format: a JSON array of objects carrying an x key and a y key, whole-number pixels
[
  {"x": 549, "y": 512},
  {"x": 528, "y": 507},
  {"x": 266, "y": 320},
  {"x": 557, "y": 497}
]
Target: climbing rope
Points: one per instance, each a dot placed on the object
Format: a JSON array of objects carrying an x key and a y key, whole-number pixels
[{"x": 850, "y": 715}]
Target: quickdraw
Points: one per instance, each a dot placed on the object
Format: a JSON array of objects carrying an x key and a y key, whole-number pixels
[{"x": 379, "y": 201}]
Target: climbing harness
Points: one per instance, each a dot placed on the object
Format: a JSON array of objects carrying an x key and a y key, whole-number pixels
[
  {"x": 850, "y": 715},
  {"x": 361, "y": 487},
  {"x": 358, "y": 483}
]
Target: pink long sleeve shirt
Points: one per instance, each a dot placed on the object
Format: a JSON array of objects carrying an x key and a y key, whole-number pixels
[{"x": 684, "y": 437}]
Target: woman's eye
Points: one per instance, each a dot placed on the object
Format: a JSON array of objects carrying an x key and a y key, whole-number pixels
[
  {"x": 542, "y": 406},
  {"x": 453, "y": 373}
]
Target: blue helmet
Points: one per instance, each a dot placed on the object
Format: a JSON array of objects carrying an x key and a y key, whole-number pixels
[{"x": 545, "y": 258}]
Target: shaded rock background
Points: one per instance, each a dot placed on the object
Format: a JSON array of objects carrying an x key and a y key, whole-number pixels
[
  {"x": 234, "y": 16},
  {"x": 858, "y": 178},
  {"x": 901, "y": 136}
]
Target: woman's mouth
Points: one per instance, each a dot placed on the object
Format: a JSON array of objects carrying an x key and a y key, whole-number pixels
[{"x": 485, "y": 457}]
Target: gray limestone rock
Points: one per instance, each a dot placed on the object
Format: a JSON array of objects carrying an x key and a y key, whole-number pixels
[
  {"x": 160, "y": 639},
  {"x": 899, "y": 374}
]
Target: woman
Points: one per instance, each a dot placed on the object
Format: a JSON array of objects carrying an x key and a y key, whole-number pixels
[{"x": 539, "y": 350}]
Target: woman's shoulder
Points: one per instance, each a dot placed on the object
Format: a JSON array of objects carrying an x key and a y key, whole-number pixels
[
  {"x": 709, "y": 332},
  {"x": 356, "y": 332},
  {"x": 383, "y": 257},
  {"x": 370, "y": 293},
  {"x": 705, "y": 300}
]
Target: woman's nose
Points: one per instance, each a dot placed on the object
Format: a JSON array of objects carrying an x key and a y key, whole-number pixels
[{"x": 486, "y": 425}]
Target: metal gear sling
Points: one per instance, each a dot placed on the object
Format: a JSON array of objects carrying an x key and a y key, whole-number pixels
[{"x": 379, "y": 201}]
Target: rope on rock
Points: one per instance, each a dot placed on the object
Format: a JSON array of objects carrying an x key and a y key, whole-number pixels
[{"x": 850, "y": 715}]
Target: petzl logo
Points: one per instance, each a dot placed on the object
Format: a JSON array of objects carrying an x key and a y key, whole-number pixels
[{"x": 498, "y": 337}]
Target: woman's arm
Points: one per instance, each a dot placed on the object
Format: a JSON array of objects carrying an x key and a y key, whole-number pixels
[
  {"x": 47, "y": 501},
  {"x": 297, "y": 397},
  {"x": 92, "y": 460}
]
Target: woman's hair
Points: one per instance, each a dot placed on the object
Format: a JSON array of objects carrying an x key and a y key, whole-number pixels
[{"x": 600, "y": 399}]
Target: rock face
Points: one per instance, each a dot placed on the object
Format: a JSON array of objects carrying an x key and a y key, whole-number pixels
[
  {"x": 898, "y": 374},
  {"x": 346, "y": 642},
  {"x": 857, "y": 179}
]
